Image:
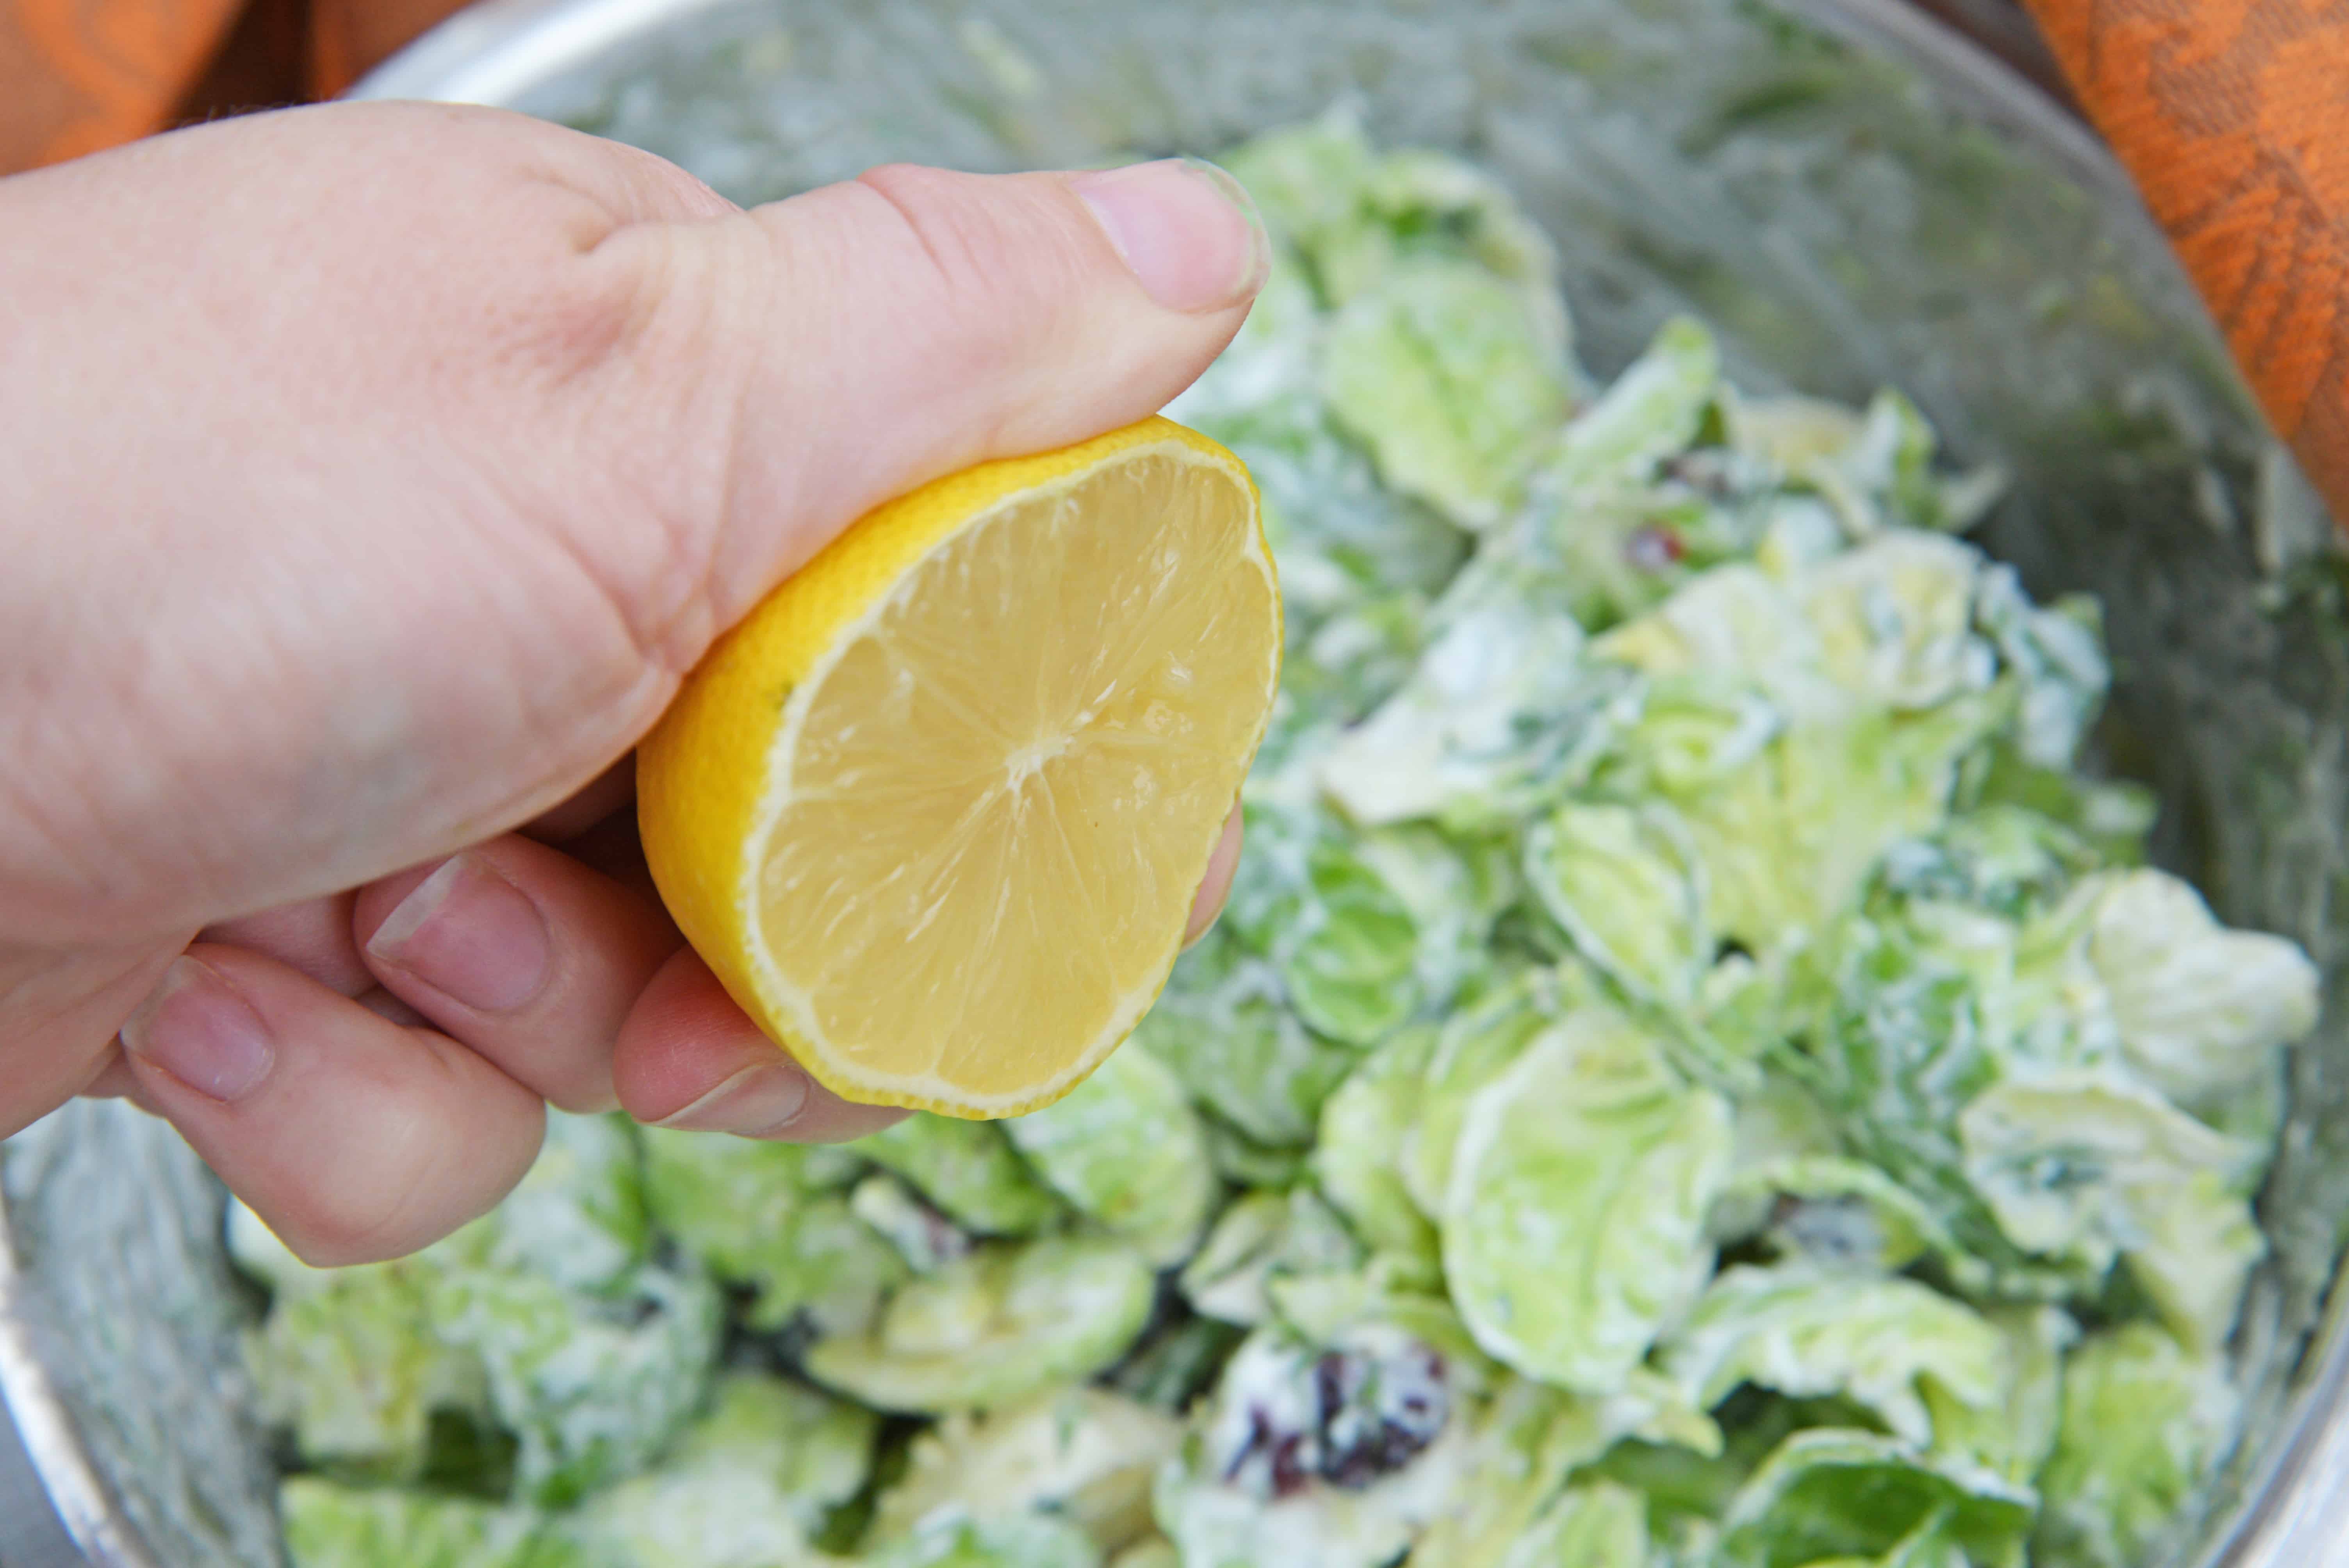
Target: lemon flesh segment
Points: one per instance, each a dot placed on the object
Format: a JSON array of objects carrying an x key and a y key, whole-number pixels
[{"x": 991, "y": 807}]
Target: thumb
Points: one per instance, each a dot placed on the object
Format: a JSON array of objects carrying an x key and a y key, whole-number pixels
[{"x": 922, "y": 320}]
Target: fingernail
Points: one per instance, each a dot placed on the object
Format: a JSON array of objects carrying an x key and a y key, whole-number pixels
[
  {"x": 470, "y": 935},
  {"x": 199, "y": 1030},
  {"x": 1222, "y": 865},
  {"x": 756, "y": 1102},
  {"x": 1187, "y": 229}
]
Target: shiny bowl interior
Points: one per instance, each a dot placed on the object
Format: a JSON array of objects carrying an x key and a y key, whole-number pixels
[{"x": 1852, "y": 196}]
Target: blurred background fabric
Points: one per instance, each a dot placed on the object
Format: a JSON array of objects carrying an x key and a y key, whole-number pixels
[{"x": 77, "y": 76}]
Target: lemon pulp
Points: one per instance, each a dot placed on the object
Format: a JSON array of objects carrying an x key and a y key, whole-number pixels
[{"x": 991, "y": 797}]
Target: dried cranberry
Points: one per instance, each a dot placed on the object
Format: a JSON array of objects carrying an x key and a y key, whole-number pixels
[
  {"x": 1332, "y": 1377},
  {"x": 1378, "y": 1415},
  {"x": 1356, "y": 1468},
  {"x": 1292, "y": 1469},
  {"x": 1654, "y": 548},
  {"x": 1259, "y": 1432},
  {"x": 1347, "y": 1418}
]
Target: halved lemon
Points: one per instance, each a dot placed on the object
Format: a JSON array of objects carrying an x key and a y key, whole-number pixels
[{"x": 935, "y": 811}]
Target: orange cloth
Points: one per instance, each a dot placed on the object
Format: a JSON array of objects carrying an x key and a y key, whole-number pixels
[
  {"x": 2234, "y": 118},
  {"x": 79, "y": 75}
]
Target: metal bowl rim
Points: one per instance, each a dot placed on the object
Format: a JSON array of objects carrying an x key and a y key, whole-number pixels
[{"x": 495, "y": 49}]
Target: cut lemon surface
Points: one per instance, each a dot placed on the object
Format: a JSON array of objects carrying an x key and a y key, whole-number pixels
[{"x": 936, "y": 810}]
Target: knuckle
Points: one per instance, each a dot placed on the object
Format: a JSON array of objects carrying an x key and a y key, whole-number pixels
[
  {"x": 396, "y": 1193},
  {"x": 328, "y": 1230},
  {"x": 1000, "y": 262},
  {"x": 946, "y": 231},
  {"x": 637, "y": 349}
]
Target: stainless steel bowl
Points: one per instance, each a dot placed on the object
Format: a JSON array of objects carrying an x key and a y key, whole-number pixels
[{"x": 1853, "y": 195}]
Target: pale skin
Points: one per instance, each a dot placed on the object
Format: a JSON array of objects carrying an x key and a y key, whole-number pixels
[{"x": 369, "y": 477}]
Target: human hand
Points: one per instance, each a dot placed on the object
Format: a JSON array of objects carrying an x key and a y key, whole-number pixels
[{"x": 369, "y": 476}]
